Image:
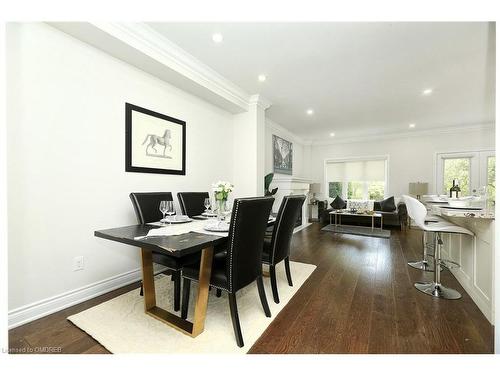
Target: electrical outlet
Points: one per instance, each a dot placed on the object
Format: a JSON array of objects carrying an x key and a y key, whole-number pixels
[{"x": 78, "y": 263}]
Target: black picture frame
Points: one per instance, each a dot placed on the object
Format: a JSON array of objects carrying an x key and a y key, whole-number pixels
[
  {"x": 282, "y": 164},
  {"x": 129, "y": 108}
]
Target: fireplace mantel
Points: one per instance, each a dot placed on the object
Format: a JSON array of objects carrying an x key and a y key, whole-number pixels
[{"x": 291, "y": 186}]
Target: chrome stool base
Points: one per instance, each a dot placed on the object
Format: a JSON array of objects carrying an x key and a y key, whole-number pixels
[
  {"x": 423, "y": 265},
  {"x": 437, "y": 290}
]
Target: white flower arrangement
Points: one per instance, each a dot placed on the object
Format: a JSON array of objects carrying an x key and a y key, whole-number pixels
[{"x": 222, "y": 189}]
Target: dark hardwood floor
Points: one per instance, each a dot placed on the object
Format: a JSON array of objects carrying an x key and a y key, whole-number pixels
[{"x": 360, "y": 299}]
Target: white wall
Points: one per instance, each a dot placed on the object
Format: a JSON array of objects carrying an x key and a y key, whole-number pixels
[
  {"x": 411, "y": 159},
  {"x": 301, "y": 152},
  {"x": 66, "y": 178}
]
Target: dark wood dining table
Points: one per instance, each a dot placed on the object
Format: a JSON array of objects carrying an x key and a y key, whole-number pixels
[{"x": 176, "y": 246}]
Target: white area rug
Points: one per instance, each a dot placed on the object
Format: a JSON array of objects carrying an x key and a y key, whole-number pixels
[{"x": 121, "y": 325}]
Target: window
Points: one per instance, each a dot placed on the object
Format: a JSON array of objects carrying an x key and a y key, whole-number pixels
[
  {"x": 355, "y": 190},
  {"x": 356, "y": 179},
  {"x": 474, "y": 170},
  {"x": 334, "y": 189},
  {"x": 376, "y": 190},
  {"x": 490, "y": 187},
  {"x": 456, "y": 168}
]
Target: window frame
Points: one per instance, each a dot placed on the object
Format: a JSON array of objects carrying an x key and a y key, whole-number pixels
[
  {"x": 478, "y": 169},
  {"x": 354, "y": 159}
]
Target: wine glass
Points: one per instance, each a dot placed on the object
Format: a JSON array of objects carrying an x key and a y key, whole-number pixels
[
  {"x": 207, "y": 204},
  {"x": 170, "y": 210},
  {"x": 163, "y": 209}
]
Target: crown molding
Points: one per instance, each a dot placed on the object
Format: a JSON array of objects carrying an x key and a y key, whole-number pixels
[
  {"x": 145, "y": 48},
  {"x": 408, "y": 134},
  {"x": 260, "y": 100}
]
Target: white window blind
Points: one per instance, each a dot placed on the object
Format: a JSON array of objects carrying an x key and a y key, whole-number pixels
[
  {"x": 356, "y": 179},
  {"x": 363, "y": 171}
]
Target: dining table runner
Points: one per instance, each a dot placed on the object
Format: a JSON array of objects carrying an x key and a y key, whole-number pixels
[
  {"x": 181, "y": 228},
  {"x": 197, "y": 226}
]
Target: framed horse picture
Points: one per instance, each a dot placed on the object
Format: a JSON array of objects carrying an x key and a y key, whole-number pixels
[{"x": 154, "y": 143}]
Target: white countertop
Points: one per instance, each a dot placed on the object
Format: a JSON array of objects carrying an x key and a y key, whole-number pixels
[{"x": 437, "y": 209}]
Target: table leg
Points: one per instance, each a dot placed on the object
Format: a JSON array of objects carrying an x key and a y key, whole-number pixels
[
  {"x": 373, "y": 222},
  {"x": 184, "y": 326},
  {"x": 148, "y": 280},
  {"x": 381, "y": 223},
  {"x": 200, "y": 310}
]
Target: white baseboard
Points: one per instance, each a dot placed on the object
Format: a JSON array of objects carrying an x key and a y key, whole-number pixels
[
  {"x": 303, "y": 226},
  {"x": 39, "y": 309}
]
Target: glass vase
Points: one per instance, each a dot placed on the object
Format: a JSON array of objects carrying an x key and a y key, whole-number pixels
[{"x": 221, "y": 208}]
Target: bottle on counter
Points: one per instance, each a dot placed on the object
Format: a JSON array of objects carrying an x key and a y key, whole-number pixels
[{"x": 455, "y": 188}]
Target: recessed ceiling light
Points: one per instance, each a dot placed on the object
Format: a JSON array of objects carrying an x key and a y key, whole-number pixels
[
  {"x": 427, "y": 92},
  {"x": 332, "y": 134},
  {"x": 411, "y": 126},
  {"x": 310, "y": 111},
  {"x": 262, "y": 78},
  {"x": 217, "y": 37}
]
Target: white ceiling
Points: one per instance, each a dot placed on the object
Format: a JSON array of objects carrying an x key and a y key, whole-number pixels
[{"x": 360, "y": 78}]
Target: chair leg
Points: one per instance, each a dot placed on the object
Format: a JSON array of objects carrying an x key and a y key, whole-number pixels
[
  {"x": 177, "y": 290},
  {"x": 423, "y": 264},
  {"x": 262, "y": 295},
  {"x": 435, "y": 288},
  {"x": 141, "y": 293},
  {"x": 235, "y": 319},
  {"x": 185, "y": 297},
  {"x": 218, "y": 292},
  {"x": 287, "y": 269},
  {"x": 274, "y": 286}
]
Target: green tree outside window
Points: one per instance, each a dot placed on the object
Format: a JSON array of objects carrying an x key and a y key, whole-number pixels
[
  {"x": 491, "y": 188},
  {"x": 458, "y": 168},
  {"x": 334, "y": 189}
]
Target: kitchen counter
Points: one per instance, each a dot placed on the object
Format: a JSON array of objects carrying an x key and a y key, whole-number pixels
[
  {"x": 475, "y": 255},
  {"x": 470, "y": 214}
]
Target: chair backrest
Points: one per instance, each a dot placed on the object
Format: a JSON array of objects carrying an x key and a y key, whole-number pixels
[
  {"x": 147, "y": 205},
  {"x": 246, "y": 239},
  {"x": 192, "y": 204},
  {"x": 416, "y": 210},
  {"x": 289, "y": 211}
]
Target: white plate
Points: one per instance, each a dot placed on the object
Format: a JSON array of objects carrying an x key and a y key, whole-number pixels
[
  {"x": 208, "y": 214},
  {"x": 176, "y": 220},
  {"x": 219, "y": 227}
]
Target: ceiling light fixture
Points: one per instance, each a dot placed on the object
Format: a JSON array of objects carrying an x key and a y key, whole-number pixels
[
  {"x": 411, "y": 126},
  {"x": 332, "y": 134},
  {"x": 217, "y": 37},
  {"x": 427, "y": 92},
  {"x": 262, "y": 78},
  {"x": 310, "y": 111}
]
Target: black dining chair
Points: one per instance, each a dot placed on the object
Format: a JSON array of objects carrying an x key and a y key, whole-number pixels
[
  {"x": 277, "y": 245},
  {"x": 192, "y": 203},
  {"x": 146, "y": 207},
  {"x": 242, "y": 264}
]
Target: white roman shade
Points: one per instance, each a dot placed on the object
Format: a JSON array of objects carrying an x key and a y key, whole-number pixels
[{"x": 365, "y": 170}]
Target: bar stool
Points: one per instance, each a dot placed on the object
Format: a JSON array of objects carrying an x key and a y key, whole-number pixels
[
  {"x": 424, "y": 264},
  {"x": 418, "y": 212}
]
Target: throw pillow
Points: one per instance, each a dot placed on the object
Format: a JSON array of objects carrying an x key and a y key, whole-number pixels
[
  {"x": 338, "y": 203},
  {"x": 360, "y": 205},
  {"x": 388, "y": 205}
]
